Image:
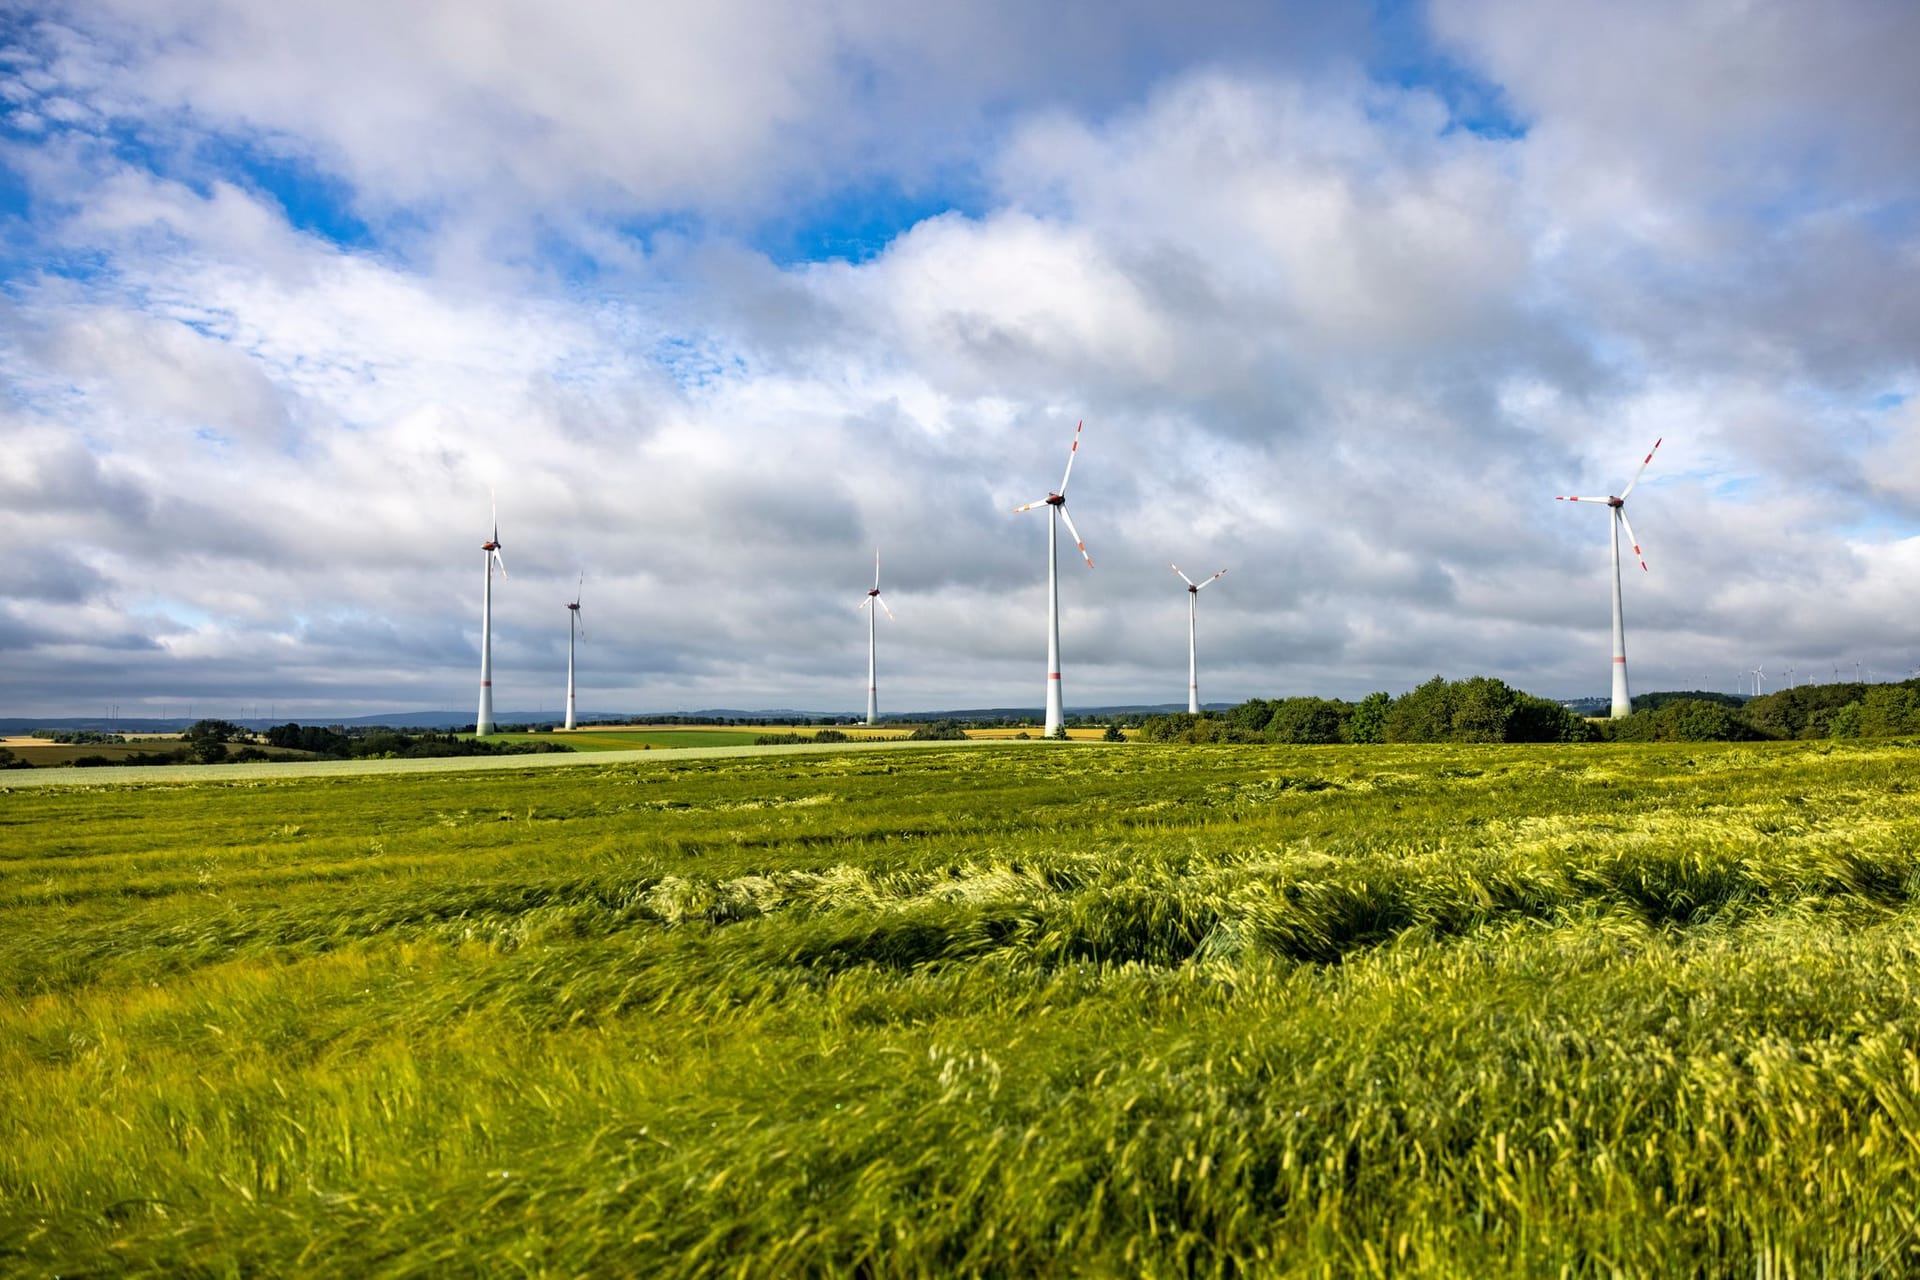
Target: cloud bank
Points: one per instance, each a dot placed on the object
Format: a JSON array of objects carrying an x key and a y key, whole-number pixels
[{"x": 719, "y": 298}]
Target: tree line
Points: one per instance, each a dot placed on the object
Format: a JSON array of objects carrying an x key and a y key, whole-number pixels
[{"x": 1485, "y": 709}]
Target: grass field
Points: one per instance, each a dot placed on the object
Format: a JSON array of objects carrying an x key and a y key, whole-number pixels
[
  {"x": 635, "y": 739},
  {"x": 672, "y": 736},
  {"x": 1127, "y": 1010},
  {"x": 998, "y": 733},
  {"x": 43, "y": 754}
]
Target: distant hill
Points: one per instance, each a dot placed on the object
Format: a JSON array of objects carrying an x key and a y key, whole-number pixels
[{"x": 1600, "y": 706}]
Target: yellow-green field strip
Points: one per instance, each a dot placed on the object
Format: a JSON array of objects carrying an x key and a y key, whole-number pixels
[{"x": 128, "y": 775}]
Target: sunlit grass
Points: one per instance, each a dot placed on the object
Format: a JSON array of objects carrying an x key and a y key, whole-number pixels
[{"x": 1607, "y": 1010}]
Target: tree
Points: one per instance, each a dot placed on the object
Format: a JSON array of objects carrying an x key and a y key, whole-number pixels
[
  {"x": 1538, "y": 720},
  {"x": 1113, "y": 734},
  {"x": 1423, "y": 715},
  {"x": 1480, "y": 710},
  {"x": 1252, "y": 715},
  {"x": 1368, "y": 723},
  {"x": 1889, "y": 709},
  {"x": 1171, "y": 727},
  {"x": 1692, "y": 721},
  {"x": 1306, "y": 720},
  {"x": 212, "y": 731}
]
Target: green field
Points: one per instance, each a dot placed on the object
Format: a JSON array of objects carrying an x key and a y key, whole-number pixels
[
  {"x": 53, "y": 755},
  {"x": 634, "y": 739},
  {"x": 1588, "y": 1010}
]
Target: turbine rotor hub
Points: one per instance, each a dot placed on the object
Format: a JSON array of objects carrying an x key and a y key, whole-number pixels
[
  {"x": 1616, "y": 503},
  {"x": 1056, "y": 500}
]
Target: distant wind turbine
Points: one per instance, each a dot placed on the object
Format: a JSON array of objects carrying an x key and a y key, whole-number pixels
[
  {"x": 1622, "y": 700},
  {"x": 1193, "y": 679},
  {"x": 483, "y": 723},
  {"x": 873, "y": 597},
  {"x": 1758, "y": 674},
  {"x": 1057, "y": 504},
  {"x": 574, "y": 621}
]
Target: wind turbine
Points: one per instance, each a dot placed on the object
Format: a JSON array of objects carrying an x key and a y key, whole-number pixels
[
  {"x": 1193, "y": 679},
  {"x": 573, "y": 621},
  {"x": 1758, "y": 674},
  {"x": 1057, "y": 504},
  {"x": 873, "y": 597},
  {"x": 1617, "y": 519},
  {"x": 483, "y": 723}
]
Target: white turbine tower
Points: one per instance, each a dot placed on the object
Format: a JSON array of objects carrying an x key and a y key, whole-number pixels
[
  {"x": 573, "y": 621},
  {"x": 1057, "y": 505},
  {"x": 1758, "y": 674},
  {"x": 873, "y": 615},
  {"x": 1193, "y": 678},
  {"x": 1617, "y": 519},
  {"x": 483, "y": 723}
]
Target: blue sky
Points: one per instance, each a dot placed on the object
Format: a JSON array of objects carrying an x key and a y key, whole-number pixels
[{"x": 718, "y": 297}]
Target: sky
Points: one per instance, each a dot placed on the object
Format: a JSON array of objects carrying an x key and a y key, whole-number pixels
[{"x": 719, "y": 296}]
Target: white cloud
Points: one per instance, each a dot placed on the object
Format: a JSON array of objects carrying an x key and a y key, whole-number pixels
[{"x": 1320, "y": 336}]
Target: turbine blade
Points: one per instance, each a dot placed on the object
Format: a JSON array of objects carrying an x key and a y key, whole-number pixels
[
  {"x": 883, "y": 605},
  {"x": 1037, "y": 502},
  {"x": 1637, "y": 554},
  {"x": 1643, "y": 468},
  {"x": 863, "y": 603},
  {"x": 1070, "y": 454},
  {"x": 502, "y": 563},
  {"x": 493, "y": 505},
  {"x": 1078, "y": 541},
  {"x": 1209, "y": 582},
  {"x": 1183, "y": 577},
  {"x": 876, "y": 566},
  {"x": 1561, "y": 498},
  {"x": 576, "y": 590}
]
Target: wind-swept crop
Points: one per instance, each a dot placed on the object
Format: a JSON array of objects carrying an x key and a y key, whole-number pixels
[{"x": 988, "y": 1010}]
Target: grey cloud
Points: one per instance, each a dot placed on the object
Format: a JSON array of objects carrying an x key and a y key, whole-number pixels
[
  {"x": 48, "y": 573},
  {"x": 1773, "y": 100}
]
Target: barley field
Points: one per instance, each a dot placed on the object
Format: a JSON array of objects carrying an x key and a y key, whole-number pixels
[{"x": 991, "y": 1010}]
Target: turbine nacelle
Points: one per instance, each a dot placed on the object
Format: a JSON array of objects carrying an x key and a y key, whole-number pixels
[
  {"x": 873, "y": 592},
  {"x": 1193, "y": 588},
  {"x": 492, "y": 545}
]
